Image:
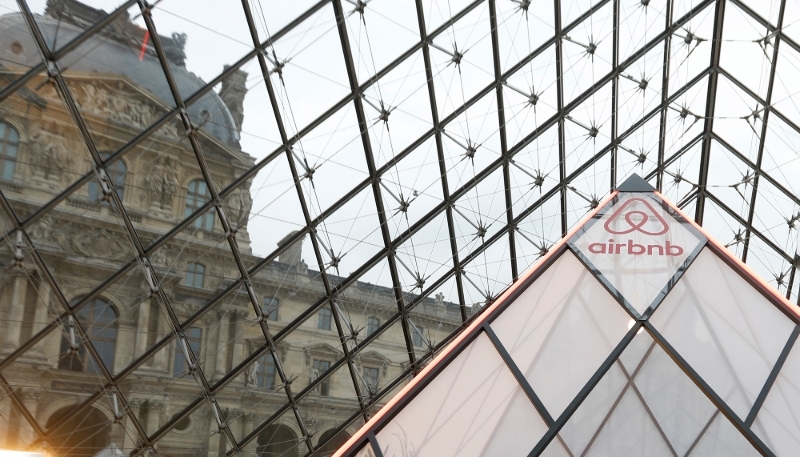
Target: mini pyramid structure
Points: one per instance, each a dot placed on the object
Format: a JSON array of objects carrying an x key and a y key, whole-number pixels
[{"x": 636, "y": 335}]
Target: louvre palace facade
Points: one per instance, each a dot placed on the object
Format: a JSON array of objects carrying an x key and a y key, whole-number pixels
[{"x": 145, "y": 340}]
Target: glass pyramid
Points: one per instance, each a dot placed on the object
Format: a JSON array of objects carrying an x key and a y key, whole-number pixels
[{"x": 638, "y": 335}]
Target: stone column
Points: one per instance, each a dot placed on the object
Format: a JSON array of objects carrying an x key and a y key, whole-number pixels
[
  {"x": 30, "y": 398},
  {"x": 16, "y": 310},
  {"x": 142, "y": 328},
  {"x": 160, "y": 358},
  {"x": 248, "y": 424},
  {"x": 222, "y": 344},
  {"x": 212, "y": 445},
  {"x": 131, "y": 438},
  {"x": 154, "y": 409},
  {"x": 41, "y": 316},
  {"x": 239, "y": 345}
]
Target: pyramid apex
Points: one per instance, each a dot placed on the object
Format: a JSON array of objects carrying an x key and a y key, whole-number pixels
[{"x": 635, "y": 183}]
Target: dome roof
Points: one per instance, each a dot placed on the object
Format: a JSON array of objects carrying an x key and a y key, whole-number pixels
[{"x": 102, "y": 55}]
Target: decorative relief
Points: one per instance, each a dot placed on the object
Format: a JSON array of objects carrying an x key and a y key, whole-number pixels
[
  {"x": 51, "y": 155},
  {"x": 162, "y": 184},
  {"x": 93, "y": 242},
  {"x": 238, "y": 205}
]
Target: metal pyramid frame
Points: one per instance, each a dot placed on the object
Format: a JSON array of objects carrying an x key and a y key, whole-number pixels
[{"x": 549, "y": 370}]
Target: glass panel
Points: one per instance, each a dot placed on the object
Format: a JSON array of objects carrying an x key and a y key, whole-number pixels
[
  {"x": 723, "y": 439},
  {"x": 777, "y": 422},
  {"x": 725, "y": 329},
  {"x": 638, "y": 246},
  {"x": 560, "y": 330},
  {"x": 473, "y": 407}
]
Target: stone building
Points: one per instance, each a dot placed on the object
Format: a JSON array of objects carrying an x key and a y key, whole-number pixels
[{"x": 120, "y": 91}]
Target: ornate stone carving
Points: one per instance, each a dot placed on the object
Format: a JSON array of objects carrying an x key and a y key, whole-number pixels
[
  {"x": 238, "y": 206},
  {"x": 251, "y": 374},
  {"x": 93, "y": 242},
  {"x": 162, "y": 184},
  {"x": 51, "y": 155},
  {"x": 43, "y": 228}
]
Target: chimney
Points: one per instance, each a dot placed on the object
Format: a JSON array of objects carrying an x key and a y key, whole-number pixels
[
  {"x": 291, "y": 255},
  {"x": 232, "y": 93}
]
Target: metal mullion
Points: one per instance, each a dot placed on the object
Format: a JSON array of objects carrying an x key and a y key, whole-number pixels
[
  {"x": 709, "y": 393},
  {"x": 585, "y": 391},
  {"x": 72, "y": 44},
  {"x": 767, "y": 176},
  {"x": 501, "y": 118},
  {"x": 20, "y": 405},
  {"x": 373, "y": 443},
  {"x": 662, "y": 138},
  {"x": 680, "y": 152},
  {"x": 771, "y": 28},
  {"x": 195, "y": 144},
  {"x": 773, "y": 375},
  {"x": 523, "y": 383},
  {"x": 265, "y": 74},
  {"x": 754, "y": 231},
  {"x": 644, "y": 402},
  {"x": 614, "y": 94},
  {"x": 56, "y": 290},
  {"x": 702, "y": 432},
  {"x": 562, "y": 153},
  {"x": 437, "y": 128},
  {"x": 377, "y": 195},
  {"x": 711, "y": 98},
  {"x": 375, "y": 399},
  {"x": 71, "y": 107},
  {"x": 762, "y": 140}
]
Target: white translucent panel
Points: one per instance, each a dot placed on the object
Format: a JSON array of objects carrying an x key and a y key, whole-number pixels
[
  {"x": 725, "y": 329},
  {"x": 588, "y": 418},
  {"x": 629, "y": 431},
  {"x": 473, "y": 407},
  {"x": 678, "y": 406},
  {"x": 638, "y": 247},
  {"x": 778, "y": 421},
  {"x": 555, "y": 449},
  {"x": 722, "y": 439},
  {"x": 560, "y": 329}
]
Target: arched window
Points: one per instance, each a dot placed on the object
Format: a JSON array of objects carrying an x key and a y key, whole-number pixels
[
  {"x": 277, "y": 440},
  {"x": 197, "y": 195},
  {"x": 99, "y": 321},
  {"x": 333, "y": 445},
  {"x": 9, "y": 144},
  {"x": 324, "y": 319},
  {"x": 116, "y": 172},
  {"x": 270, "y": 308},
  {"x": 195, "y": 275},
  {"x": 83, "y": 434}
]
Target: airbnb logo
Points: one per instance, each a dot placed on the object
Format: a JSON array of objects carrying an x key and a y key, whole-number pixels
[
  {"x": 636, "y": 215},
  {"x": 636, "y": 219}
]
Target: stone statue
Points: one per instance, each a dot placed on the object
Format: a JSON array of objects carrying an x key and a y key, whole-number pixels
[
  {"x": 251, "y": 376},
  {"x": 313, "y": 375},
  {"x": 162, "y": 184},
  {"x": 239, "y": 204},
  {"x": 51, "y": 156}
]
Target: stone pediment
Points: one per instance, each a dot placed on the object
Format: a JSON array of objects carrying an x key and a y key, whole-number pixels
[
  {"x": 322, "y": 351},
  {"x": 374, "y": 358}
]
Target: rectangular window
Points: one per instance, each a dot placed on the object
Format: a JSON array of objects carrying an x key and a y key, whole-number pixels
[
  {"x": 324, "y": 319},
  {"x": 372, "y": 325},
  {"x": 320, "y": 367},
  {"x": 416, "y": 335},
  {"x": 270, "y": 308},
  {"x": 180, "y": 366},
  {"x": 371, "y": 378},
  {"x": 266, "y": 373}
]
